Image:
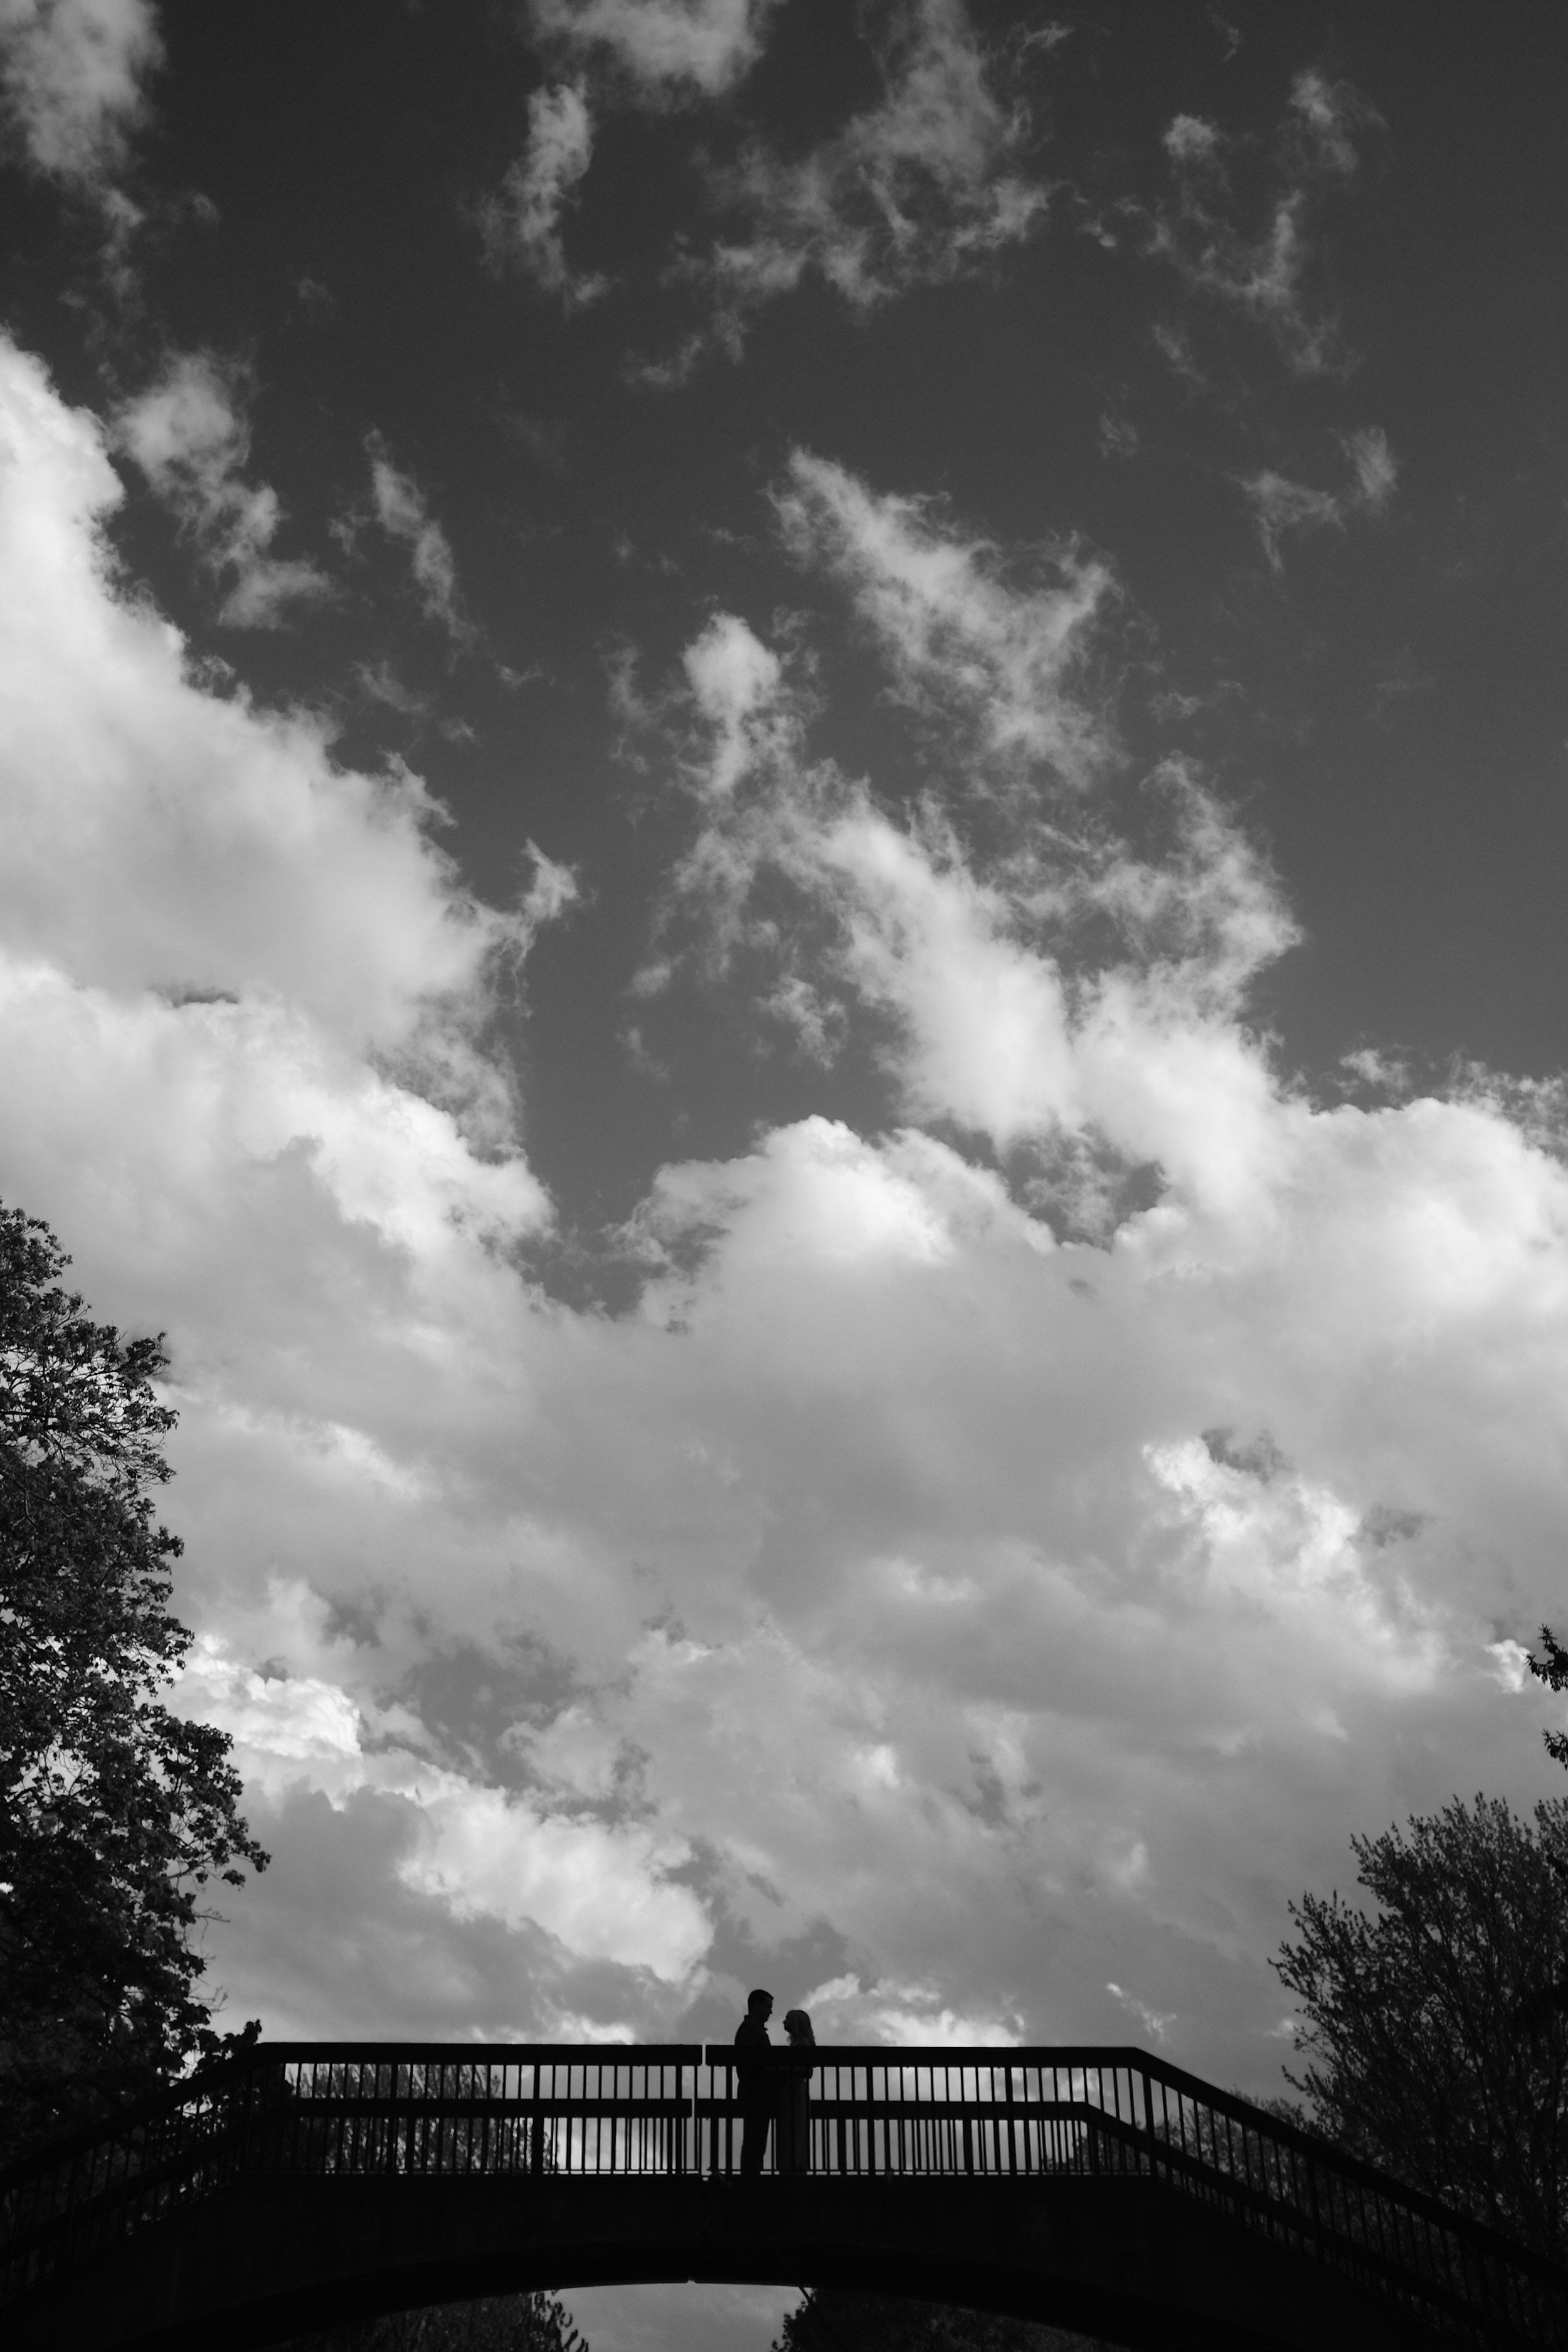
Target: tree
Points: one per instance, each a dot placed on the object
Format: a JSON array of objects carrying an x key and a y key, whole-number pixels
[
  {"x": 504, "y": 2322},
  {"x": 1436, "y": 2027},
  {"x": 114, "y": 1813},
  {"x": 828, "y": 2319},
  {"x": 1551, "y": 1670}
]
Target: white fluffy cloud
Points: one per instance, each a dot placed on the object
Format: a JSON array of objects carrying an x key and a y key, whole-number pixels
[
  {"x": 175, "y": 849},
  {"x": 189, "y": 436},
  {"x": 970, "y": 1580},
  {"x": 604, "y": 1893},
  {"x": 74, "y": 74}
]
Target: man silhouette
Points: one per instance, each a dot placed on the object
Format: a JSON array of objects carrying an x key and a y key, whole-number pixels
[{"x": 757, "y": 2089}]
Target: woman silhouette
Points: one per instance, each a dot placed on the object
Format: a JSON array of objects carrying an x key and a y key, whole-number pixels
[{"x": 792, "y": 2148}]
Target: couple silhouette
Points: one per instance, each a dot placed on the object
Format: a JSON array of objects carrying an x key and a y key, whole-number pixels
[{"x": 775, "y": 2087}]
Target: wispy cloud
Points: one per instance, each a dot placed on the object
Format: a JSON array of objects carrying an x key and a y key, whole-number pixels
[
  {"x": 75, "y": 74},
  {"x": 1280, "y": 505},
  {"x": 521, "y": 223},
  {"x": 1375, "y": 466},
  {"x": 925, "y": 185},
  {"x": 1253, "y": 249},
  {"x": 960, "y": 635},
  {"x": 403, "y": 513},
  {"x": 189, "y": 433},
  {"x": 958, "y": 929},
  {"x": 661, "y": 45},
  {"x": 1152, "y": 2023}
]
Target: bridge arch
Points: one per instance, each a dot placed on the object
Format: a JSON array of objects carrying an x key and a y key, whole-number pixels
[{"x": 1102, "y": 2190}]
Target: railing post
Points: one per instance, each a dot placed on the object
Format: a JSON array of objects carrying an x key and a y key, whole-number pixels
[{"x": 1147, "y": 2080}]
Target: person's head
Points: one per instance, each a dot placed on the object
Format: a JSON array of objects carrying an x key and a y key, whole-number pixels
[
  {"x": 760, "y": 2005},
  {"x": 797, "y": 2025}
]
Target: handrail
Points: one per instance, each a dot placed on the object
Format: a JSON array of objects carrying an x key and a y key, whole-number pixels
[
  {"x": 1348, "y": 2165},
  {"x": 588, "y": 2110}
]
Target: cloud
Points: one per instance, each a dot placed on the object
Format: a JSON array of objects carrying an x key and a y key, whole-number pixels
[
  {"x": 402, "y": 511},
  {"x": 1324, "y": 119},
  {"x": 967, "y": 959},
  {"x": 1280, "y": 505},
  {"x": 923, "y": 187},
  {"x": 522, "y": 224},
  {"x": 1190, "y": 140},
  {"x": 865, "y": 1610},
  {"x": 189, "y": 436},
  {"x": 941, "y": 1672},
  {"x": 655, "y": 48},
  {"x": 218, "y": 880},
  {"x": 963, "y": 925},
  {"x": 1254, "y": 249},
  {"x": 957, "y": 634},
  {"x": 660, "y": 45},
  {"x": 906, "y": 2015},
  {"x": 1152, "y": 2025},
  {"x": 604, "y": 1893},
  {"x": 1375, "y": 466},
  {"x": 74, "y": 74},
  {"x": 735, "y": 684}
]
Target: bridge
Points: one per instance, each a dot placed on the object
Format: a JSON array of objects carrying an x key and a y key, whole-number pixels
[{"x": 1101, "y": 2189}]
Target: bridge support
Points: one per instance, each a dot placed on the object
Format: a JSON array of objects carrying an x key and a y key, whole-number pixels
[{"x": 1126, "y": 2259}]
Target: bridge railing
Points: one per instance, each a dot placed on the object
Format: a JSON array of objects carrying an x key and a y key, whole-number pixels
[
  {"x": 935, "y": 2112},
  {"x": 594, "y": 2110}
]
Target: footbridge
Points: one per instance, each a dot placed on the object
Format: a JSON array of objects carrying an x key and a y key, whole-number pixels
[{"x": 1099, "y": 2188}]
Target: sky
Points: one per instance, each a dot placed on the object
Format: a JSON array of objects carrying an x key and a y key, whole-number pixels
[{"x": 785, "y": 791}]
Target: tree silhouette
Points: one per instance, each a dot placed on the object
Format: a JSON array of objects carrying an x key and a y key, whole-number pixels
[
  {"x": 1435, "y": 2026},
  {"x": 114, "y": 1813},
  {"x": 1551, "y": 1670}
]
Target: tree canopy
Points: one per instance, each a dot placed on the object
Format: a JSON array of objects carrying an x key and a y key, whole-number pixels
[
  {"x": 114, "y": 1812},
  {"x": 1433, "y": 2025},
  {"x": 1551, "y": 1669}
]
